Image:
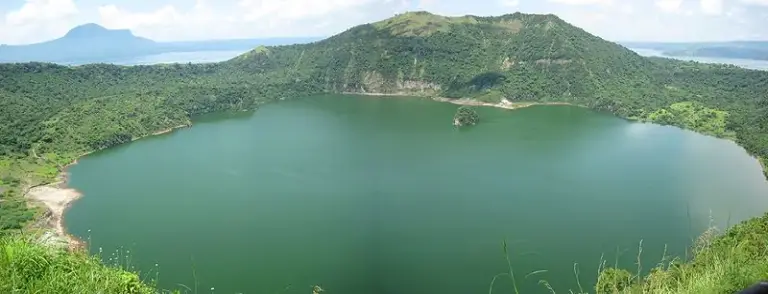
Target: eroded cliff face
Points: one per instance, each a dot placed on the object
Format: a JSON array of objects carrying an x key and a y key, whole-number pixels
[{"x": 374, "y": 82}]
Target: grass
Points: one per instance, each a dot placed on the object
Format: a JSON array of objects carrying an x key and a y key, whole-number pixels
[
  {"x": 424, "y": 24},
  {"x": 27, "y": 267},
  {"x": 420, "y": 23},
  {"x": 720, "y": 263},
  {"x": 693, "y": 116}
]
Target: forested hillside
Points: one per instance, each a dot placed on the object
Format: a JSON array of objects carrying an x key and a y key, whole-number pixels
[
  {"x": 51, "y": 114},
  {"x": 523, "y": 57}
]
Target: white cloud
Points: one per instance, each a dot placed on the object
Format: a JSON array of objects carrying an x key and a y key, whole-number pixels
[
  {"x": 712, "y": 7},
  {"x": 509, "y": 3},
  {"x": 41, "y": 10},
  {"x": 114, "y": 17},
  {"x": 169, "y": 23},
  {"x": 737, "y": 12},
  {"x": 426, "y": 4},
  {"x": 295, "y": 9},
  {"x": 38, "y": 20},
  {"x": 583, "y": 2},
  {"x": 463, "y": 7},
  {"x": 627, "y": 8},
  {"x": 669, "y": 5},
  {"x": 755, "y": 2},
  {"x": 249, "y": 18}
]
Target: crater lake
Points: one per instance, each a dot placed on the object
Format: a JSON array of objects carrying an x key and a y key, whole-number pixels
[{"x": 383, "y": 195}]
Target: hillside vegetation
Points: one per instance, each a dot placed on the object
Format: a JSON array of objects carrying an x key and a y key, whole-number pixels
[{"x": 52, "y": 114}]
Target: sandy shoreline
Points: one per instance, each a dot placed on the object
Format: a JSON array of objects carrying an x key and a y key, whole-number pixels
[
  {"x": 57, "y": 197},
  {"x": 56, "y": 200},
  {"x": 505, "y": 104},
  {"x": 166, "y": 131},
  {"x": 404, "y": 95}
]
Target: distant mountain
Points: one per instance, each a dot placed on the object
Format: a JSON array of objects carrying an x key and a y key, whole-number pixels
[
  {"x": 757, "y": 50},
  {"x": 91, "y": 43}
]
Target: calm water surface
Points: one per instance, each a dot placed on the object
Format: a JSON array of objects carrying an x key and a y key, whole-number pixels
[
  {"x": 168, "y": 57},
  {"x": 182, "y": 57},
  {"x": 745, "y": 63},
  {"x": 375, "y": 195}
]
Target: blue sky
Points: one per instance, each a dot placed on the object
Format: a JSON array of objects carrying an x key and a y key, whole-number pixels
[{"x": 28, "y": 21}]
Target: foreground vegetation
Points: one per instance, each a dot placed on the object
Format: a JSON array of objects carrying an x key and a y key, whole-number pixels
[
  {"x": 28, "y": 267},
  {"x": 52, "y": 114},
  {"x": 725, "y": 263}
]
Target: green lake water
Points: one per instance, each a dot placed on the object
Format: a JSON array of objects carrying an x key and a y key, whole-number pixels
[{"x": 384, "y": 195}]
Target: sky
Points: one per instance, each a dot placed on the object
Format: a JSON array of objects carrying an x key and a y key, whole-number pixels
[{"x": 31, "y": 21}]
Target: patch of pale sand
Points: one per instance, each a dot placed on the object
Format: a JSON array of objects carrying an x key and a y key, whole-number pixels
[
  {"x": 56, "y": 200},
  {"x": 504, "y": 103}
]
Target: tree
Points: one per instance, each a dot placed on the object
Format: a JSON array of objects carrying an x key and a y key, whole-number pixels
[{"x": 465, "y": 116}]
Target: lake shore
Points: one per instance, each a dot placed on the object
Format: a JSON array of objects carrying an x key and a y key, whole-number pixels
[
  {"x": 504, "y": 104},
  {"x": 764, "y": 164},
  {"x": 56, "y": 200},
  {"x": 57, "y": 197}
]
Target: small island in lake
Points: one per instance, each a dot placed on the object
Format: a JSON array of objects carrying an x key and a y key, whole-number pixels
[{"x": 465, "y": 116}]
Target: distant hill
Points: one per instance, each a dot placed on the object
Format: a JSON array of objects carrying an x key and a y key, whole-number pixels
[
  {"x": 89, "y": 41},
  {"x": 522, "y": 57},
  {"x": 93, "y": 43},
  {"x": 757, "y": 50}
]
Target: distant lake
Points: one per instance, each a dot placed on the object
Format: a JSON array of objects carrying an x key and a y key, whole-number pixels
[
  {"x": 384, "y": 195},
  {"x": 745, "y": 63},
  {"x": 217, "y": 56},
  {"x": 172, "y": 57}
]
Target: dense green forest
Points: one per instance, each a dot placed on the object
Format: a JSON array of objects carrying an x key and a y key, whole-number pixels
[
  {"x": 51, "y": 114},
  {"x": 465, "y": 116}
]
